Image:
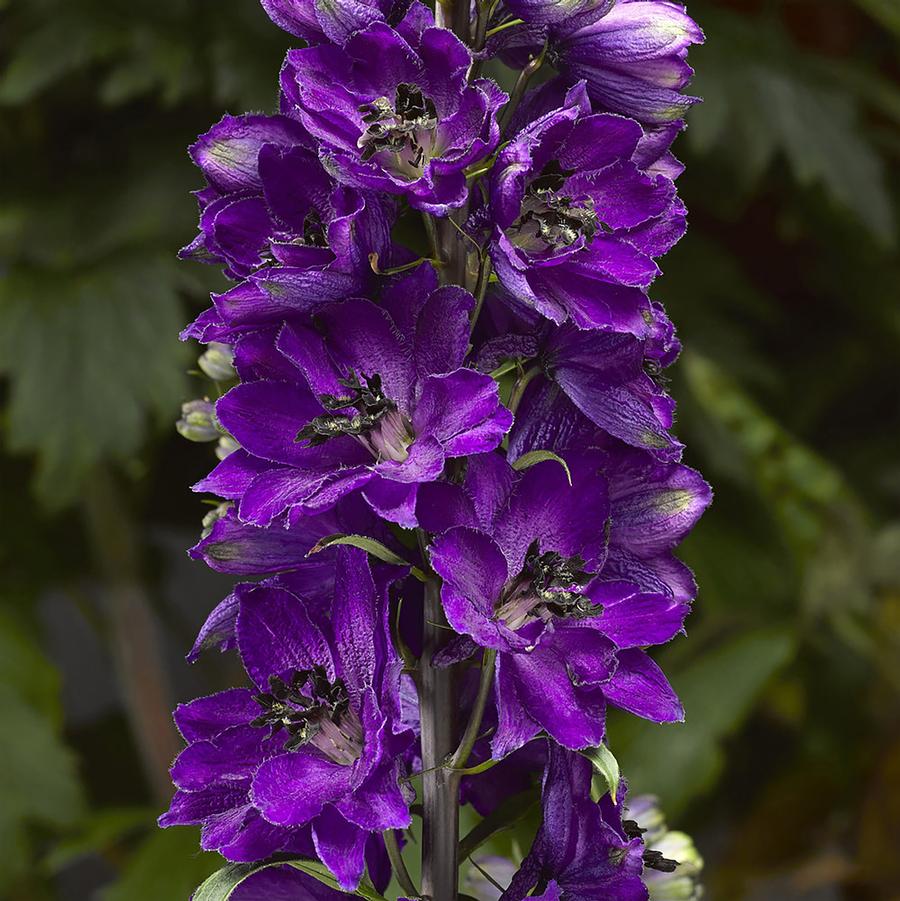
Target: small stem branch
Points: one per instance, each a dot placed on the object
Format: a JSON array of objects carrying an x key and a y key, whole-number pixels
[
  {"x": 397, "y": 864},
  {"x": 522, "y": 383},
  {"x": 521, "y": 85},
  {"x": 482, "y": 767},
  {"x": 484, "y": 277},
  {"x": 461, "y": 756}
]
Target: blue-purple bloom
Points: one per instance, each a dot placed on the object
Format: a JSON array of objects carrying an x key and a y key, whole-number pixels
[
  {"x": 317, "y": 742},
  {"x": 577, "y": 223},
  {"x": 373, "y": 406},
  {"x": 393, "y": 111},
  {"x": 524, "y": 573}
]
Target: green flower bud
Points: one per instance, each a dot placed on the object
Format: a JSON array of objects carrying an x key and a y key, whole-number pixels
[
  {"x": 198, "y": 421},
  {"x": 216, "y": 362},
  {"x": 213, "y": 516},
  {"x": 227, "y": 445}
]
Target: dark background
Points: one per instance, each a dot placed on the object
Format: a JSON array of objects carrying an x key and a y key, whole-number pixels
[{"x": 785, "y": 294}]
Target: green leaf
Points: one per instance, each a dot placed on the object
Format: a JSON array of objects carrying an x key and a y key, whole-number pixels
[
  {"x": 370, "y": 546},
  {"x": 104, "y": 340},
  {"x": 220, "y": 885},
  {"x": 718, "y": 691},
  {"x": 606, "y": 766},
  {"x": 885, "y": 11},
  {"x": 39, "y": 781},
  {"x": 539, "y": 456}
]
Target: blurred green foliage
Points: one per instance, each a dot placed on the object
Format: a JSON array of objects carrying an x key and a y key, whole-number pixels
[{"x": 785, "y": 294}]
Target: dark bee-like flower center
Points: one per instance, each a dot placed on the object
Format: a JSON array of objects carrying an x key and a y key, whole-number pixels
[
  {"x": 378, "y": 423},
  {"x": 313, "y": 231},
  {"x": 550, "y": 218},
  {"x": 312, "y": 710},
  {"x": 405, "y": 127},
  {"x": 549, "y": 585}
]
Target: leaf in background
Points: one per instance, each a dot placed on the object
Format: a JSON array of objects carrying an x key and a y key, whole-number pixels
[
  {"x": 25, "y": 670},
  {"x": 718, "y": 691},
  {"x": 885, "y": 11},
  {"x": 98, "y": 832},
  {"x": 38, "y": 782},
  {"x": 763, "y": 96},
  {"x": 90, "y": 358},
  {"x": 821, "y": 134},
  {"x": 167, "y": 865}
]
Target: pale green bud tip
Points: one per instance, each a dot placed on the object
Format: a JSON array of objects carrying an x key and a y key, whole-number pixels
[
  {"x": 198, "y": 421},
  {"x": 217, "y": 362},
  {"x": 213, "y": 516},
  {"x": 227, "y": 445}
]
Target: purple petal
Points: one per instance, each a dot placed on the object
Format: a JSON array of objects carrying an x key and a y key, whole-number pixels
[
  {"x": 218, "y": 630},
  {"x": 640, "y": 687},
  {"x": 442, "y": 331},
  {"x": 474, "y": 572},
  {"x": 276, "y": 635},
  {"x": 207, "y": 717},
  {"x": 292, "y": 788},
  {"x": 462, "y": 410},
  {"x": 228, "y": 152},
  {"x": 340, "y": 846}
]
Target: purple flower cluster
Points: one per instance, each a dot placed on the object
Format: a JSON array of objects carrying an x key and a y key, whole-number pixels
[{"x": 441, "y": 376}]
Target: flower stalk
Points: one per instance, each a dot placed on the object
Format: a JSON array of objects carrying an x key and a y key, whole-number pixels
[{"x": 496, "y": 401}]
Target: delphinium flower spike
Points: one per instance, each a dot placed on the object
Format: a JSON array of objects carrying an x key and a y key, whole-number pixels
[{"x": 447, "y": 457}]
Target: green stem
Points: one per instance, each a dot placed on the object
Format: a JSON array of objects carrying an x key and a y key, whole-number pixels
[
  {"x": 484, "y": 277},
  {"x": 522, "y": 383},
  {"x": 397, "y": 864},
  {"x": 461, "y": 755},
  {"x": 521, "y": 85},
  {"x": 510, "y": 24}
]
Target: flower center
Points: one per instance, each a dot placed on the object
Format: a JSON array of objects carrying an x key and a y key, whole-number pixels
[
  {"x": 378, "y": 424},
  {"x": 549, "y": 585},
  {"x": 405, "y": 128},
  {"x": 313, "y": 711},
  {"x": 313, "y": 231},
  {"x": 552, "y": 219}
]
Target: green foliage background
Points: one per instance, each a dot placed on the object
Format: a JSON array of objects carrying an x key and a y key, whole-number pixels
[{"x": 785, "y": 294}]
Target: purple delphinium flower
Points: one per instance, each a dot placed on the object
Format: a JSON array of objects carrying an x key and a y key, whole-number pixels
[
  {"x": 614, "y": 378},
  {"x": 523, "y": 573},
  {"x": 632, "y": 54},
  {"x": 582, "y": 851},
  {"x": 392, "y": 110},
  {"x": 633, "y": 58},
  {"x": 317, "y": 742},
  {"x": 272, "y": 215},
  {"x": 380, "y": 403},
  {"x": 577, "y": 223}
]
